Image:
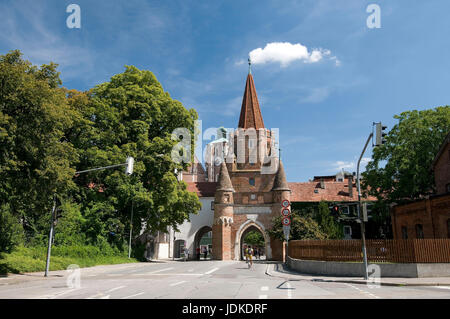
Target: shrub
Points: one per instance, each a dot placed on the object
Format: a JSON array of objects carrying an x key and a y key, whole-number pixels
[{"x": 11, "y": 231}]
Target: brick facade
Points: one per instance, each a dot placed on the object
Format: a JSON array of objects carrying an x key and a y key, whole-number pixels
[
  {"x": 249, "y": 192},
  {"x": 430, "y": 217}
]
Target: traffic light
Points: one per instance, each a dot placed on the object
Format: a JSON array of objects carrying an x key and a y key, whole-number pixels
[
  {"x": 129, "y": 167},
  {"x": 335, "y": 210},
  {"x": 380, "y": 134}
]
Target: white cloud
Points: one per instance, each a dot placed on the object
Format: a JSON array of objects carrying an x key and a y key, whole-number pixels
[
  {"x": 349, "y": 166},
  {"x": 286, "y": 53}
]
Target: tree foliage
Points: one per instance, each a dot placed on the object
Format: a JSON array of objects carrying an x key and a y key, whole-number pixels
[
  {"x": 47, "y": 133},
  {"x": 254, "y": 238},
  {"x": 36, "y": 159},
  {"x": 400, "y": 169},
  {"x": 327, "y": 223},
  {"x": 302, "y": 227}
]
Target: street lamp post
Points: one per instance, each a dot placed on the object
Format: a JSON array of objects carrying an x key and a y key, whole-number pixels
[{"x": 128, "y": 170}]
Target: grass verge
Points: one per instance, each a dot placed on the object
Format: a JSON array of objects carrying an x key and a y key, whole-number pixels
[{"x": 25, "y": 259}]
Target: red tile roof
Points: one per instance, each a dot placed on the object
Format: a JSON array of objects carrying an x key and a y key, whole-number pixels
[
  {"x": 301, "y": 192},
  {"x": 203, "y": 189},
  {"x": 250, "y": 112},
  {"x": 333, "y": 192}
]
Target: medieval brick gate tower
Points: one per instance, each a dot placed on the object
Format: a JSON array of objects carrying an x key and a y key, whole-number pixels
[{"x": 251, "y": 184}]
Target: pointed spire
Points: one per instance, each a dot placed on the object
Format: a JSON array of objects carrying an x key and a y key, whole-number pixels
[
  {"x": 250, "y": 112},
  {"x": 280, "y": 183},
  {"x": 224, "y": 179}
]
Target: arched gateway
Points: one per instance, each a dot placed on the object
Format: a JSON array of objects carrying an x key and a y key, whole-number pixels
[{"x": 251, "y": 184}]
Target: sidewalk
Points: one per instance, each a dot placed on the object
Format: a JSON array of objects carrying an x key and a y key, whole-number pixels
[{"x": 282, "y": 271}]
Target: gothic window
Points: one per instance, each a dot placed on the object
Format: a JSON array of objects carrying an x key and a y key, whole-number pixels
[
  {"x": 251, "y": 181},
  {"x": 404, "y": 232},
  {"x": 419, "y": 231}
]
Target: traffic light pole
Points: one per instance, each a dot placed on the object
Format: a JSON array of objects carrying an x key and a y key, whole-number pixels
[{"x": 363, "y": 231}]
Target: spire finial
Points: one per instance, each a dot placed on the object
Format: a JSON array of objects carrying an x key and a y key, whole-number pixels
[{"x": 249, "y": 66}]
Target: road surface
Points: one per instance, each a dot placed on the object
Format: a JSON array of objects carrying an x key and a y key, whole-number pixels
[{"x": 194, "y": 280}]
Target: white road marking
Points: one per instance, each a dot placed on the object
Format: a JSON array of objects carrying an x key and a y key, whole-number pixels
[
  {"x": 211, "y": 271},
  {"x": 191, "y": 270},
  {"x": 92, "y": 275},
  {"x": 60, "y": 294},
  {"x": 135, "y": 295},
  {"x": 177, "y": 283},
  {"x": 265, "y": 288},
  {"x": 363, "y": 291},
  {"x": 105, "y": 297},
  {"x": 114, "y": 275},
  {"x": 161, "y": 270},
  {"x": 289, "y": 292},
  {"x": 262, "y": 296},
  {"x": 114, "y": 289},
  {"x": 442, "y": 287}
]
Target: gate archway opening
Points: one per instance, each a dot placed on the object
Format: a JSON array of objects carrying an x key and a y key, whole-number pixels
[
  {"x": 203, "y": 243},
  {"x": 253, "y": 236}
]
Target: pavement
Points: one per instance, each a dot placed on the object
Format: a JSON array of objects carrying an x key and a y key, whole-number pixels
[
  {"x": 282, "y": 271},
  {"x": 208, "y": 279}
]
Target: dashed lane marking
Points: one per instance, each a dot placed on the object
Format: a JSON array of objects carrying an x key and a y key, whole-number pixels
[
  {"x": 211, "y": 271},
  {"x": 363, "y": 291},
  {"x": 262, "y": 296},
  {"x": 177, "y": 283},
  {"x": 114, "y": 289},
  {"x": 161, "y": 270},
  {"x": 265, "y": 288},
  {"x": 135, "y": 295}
]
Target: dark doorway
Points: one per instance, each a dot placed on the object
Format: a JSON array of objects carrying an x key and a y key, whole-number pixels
[
  {"x": 203, "y": 243},
  {"x": 253, "y": 237}
]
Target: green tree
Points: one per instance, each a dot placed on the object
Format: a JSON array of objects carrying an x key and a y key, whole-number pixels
[
  {"x": 36, "y": 159},
  {"x": 400, "y": 169},
  {"x": 327, "y": 223},
  {"x": 302, "y": 227},
  {"x": 131, "y": 115},
  {"x": 254, "y": 238},
  {"x": 11, "y": 232}
]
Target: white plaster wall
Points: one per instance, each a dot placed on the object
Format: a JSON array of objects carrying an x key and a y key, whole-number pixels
[{"x": 188, "y": 229}]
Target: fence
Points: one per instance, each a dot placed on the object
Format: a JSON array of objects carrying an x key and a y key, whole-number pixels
[{"x": 378, "y": 251}]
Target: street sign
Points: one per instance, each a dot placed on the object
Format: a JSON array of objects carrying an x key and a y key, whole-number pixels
[
  {"x": 286, "y": 231},
  {"x": 285, "y": 212},
  {"x": 286, "y": 221},
  {"x": 285, "y": 203}
]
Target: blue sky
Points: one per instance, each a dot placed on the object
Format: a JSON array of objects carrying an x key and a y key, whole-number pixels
[{"x": 198, "y": 51}]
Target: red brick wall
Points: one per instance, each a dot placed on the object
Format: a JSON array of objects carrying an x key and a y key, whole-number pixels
[{"x": 432, "y": 213}]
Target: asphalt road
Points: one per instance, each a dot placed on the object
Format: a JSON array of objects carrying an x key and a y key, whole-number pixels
[{"x": 193, "y": 280}]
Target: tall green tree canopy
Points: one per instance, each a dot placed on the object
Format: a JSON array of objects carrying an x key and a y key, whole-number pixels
[
  {"x": 36, "y": 159},
  {"x": 407, "y": 155},
  {"x": 131, "y": 115},
  {"x": 47, "y": 133}
]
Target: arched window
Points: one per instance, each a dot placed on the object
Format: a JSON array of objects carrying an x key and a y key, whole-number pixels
[
  {"x": 419, "y": 231},
  {"x": 404, "y": 232},
  {"x": 251, "y": 181}
]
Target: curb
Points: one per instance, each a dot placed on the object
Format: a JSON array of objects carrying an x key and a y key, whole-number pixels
[{"x": 348, "y": 281}]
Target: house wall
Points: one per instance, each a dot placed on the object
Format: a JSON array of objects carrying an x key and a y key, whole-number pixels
[
  {"x": 432, "y": 213},
  {"x": 189, "y": 229}
]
